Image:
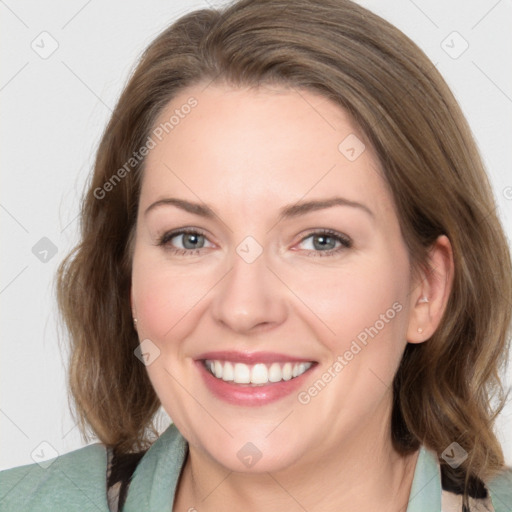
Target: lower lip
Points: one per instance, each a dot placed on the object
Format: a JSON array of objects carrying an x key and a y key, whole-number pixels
[{"x": 246, "y": 394}]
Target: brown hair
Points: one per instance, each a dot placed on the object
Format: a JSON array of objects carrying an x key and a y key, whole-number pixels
[{"x": 444, "y": 388}]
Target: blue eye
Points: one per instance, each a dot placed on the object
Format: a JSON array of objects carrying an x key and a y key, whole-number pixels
[
  {"x": 190, "y": 240},
  {"x": 325, "y": 242},
  {"x": 185, "y": 241}
]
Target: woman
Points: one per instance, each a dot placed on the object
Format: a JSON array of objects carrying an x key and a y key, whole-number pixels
[{"x": 289, "y": 242}]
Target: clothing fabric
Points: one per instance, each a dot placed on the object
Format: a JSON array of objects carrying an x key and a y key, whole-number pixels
[{"x": 77, "y": 481}]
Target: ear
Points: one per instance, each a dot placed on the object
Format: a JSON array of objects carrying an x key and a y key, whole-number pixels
[{"x": 430, "y": 292}]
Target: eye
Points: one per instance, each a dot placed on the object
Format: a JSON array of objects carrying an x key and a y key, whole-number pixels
[
  {"x": 191, "y": 241},
  {"x": 325, "y": 241},
  {"x": 184, "y": 241}
]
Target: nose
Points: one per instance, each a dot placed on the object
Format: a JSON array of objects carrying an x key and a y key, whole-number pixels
[{"x": 250, "y": 298}]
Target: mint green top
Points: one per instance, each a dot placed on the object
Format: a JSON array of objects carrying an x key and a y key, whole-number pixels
[{"x": 76, "y": 481}]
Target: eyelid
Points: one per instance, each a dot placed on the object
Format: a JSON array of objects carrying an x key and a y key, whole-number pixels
[
  {"x": 344, "y": 240},
  {"x": 164, "y": 238}
]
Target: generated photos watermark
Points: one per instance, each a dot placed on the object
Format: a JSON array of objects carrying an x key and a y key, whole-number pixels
[
  {"x": 304, "y": 397},
  {"x": 157, "y": 135}
]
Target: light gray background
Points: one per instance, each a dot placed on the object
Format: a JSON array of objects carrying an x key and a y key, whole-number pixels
[{"x": 54, "y": 110}]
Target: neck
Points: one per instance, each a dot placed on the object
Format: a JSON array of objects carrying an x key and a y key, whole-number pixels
[{"x": 362, "y": 473}]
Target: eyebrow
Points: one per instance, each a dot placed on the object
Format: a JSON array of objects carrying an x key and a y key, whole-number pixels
[
  {"x": 195, "y": 208},
  {"x": 294, "y": 210},
  {"x": 301, "y": 208}
]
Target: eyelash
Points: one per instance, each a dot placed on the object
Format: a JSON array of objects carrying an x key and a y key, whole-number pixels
[
  {"x": 345, "y": 242},
  {"x": 168, "y": 236}
]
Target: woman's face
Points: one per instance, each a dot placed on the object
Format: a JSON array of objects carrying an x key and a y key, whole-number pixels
[{"x": 268, "y": 250}]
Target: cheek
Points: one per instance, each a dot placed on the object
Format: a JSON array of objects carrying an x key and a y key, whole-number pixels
[
  {"x": 362, "y": 302},
  {"x": 164, "y": 297}
]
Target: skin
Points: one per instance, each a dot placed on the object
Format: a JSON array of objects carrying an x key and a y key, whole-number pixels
[{"x": 247, "y": 154}]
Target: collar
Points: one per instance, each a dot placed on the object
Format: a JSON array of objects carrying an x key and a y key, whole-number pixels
[
  {"x": 156, "y": 477},
  {"x": 425, "y": 495}
]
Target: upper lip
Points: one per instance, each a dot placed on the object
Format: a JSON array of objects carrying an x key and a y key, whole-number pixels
[{"x": 251, "y": 357}]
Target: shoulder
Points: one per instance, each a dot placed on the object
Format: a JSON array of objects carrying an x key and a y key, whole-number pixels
[
  {"x": 73, "y": 481},
  {"x": 500, "y": 489}
]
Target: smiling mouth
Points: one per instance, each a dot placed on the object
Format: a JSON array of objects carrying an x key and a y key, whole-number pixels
[{"x": 259, "y": 374}]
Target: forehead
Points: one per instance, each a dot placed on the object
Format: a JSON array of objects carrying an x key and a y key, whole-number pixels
[{"x": 276, "y": 144}]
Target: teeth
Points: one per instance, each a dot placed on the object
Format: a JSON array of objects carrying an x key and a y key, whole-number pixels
[
  {"x": 242, "y": 373},
  {"x": 274, "y": 373},
  {"x": 217, "y": 368},
  {"x": 287, "y": 371},
  {"x": 258, "y": 374},
  {"x": 228, "y": 372}
]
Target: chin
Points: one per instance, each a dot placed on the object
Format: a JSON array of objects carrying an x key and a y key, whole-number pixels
[
  {"x": 256, "y": 463},
  {"x": 256, "y": 456}
]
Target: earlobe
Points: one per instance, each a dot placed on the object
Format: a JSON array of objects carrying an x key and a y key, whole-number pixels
[
  {"x": 429, "y": 296},
  {"x": 417, "y": 332}
]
